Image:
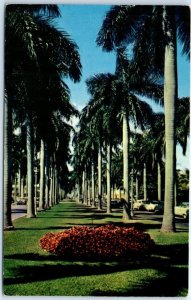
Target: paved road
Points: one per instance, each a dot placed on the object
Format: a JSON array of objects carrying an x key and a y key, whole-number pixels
[
  {"x": 18, "y": 211},
  {"x": 145, "y": 215}
]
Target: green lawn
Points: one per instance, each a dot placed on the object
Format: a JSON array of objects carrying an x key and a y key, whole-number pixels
[{"x": 30, "y": 271}]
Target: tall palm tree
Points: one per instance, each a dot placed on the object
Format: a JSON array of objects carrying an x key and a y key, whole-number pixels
[
  {"x": 84, "y": 155},
  {"x": 120, "y": 93},
  {"x": 7, "y": 168},
  {"x": 153, "y": 32},
  {"x": 31, "y": 41},
  {"x": 94, "y": 119},
  {"x": 104, "y": 121},
  {"x": 133, "y": 109},
  {"x": 157, "y": 134}
]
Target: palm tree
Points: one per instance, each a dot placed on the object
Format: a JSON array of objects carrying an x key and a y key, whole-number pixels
[
  {"x": 132, "y": 109},
  {"x": 157, "y": 134},
  {"x": 154, "y": 31},
  {"x": 7, "y": 168},
  {"x": 95, "y": 124},
  {"x": 103, "y": 122},
  {"x": 35, "y": 41},
  {"x": 123, "y": 100},
  {"x": 19, "y": 25},
  {"x": 62, "y": 153},
  {"x": 84, "y": 156},
  {"x": 42, "y": 176},
  {"x": 30, "y": 166}
]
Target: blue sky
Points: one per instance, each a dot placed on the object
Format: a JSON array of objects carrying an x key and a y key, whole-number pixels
[{"x": 82, "y": 23}]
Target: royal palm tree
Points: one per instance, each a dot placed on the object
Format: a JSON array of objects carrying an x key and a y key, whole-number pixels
[
  {"x": 133, "y": 109},
  {"x": 154, "y": 31},
  {"x": 84, "y": 156},
  {"x": 103, "y": 120},
  {"x": 19, "y": 25},
  {"x": 124, "y": 101},
  {"x": 157, "y": 134},
  {"x": 30, "y": 38},
  {"x": 94, "y": 121}
]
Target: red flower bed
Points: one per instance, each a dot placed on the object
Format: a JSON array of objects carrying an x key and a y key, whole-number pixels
[{"x": 82, "y": 242}]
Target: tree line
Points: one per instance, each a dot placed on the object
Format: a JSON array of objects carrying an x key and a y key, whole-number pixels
[
  {"x": 144, "y": 39},
  {"x": 38, "y": 57}
]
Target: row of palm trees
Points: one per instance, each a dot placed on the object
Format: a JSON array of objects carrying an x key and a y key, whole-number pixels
[
  {"x": 146, "y": 153},
  {"x": 37, "y": 58},
  {"x": 149, "y": 35}
]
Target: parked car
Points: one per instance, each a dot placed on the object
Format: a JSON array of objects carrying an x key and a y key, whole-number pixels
[
  {"x": 116, "y": 203},
  {"x": 182, "y": 210},
  {"x": 139, "y": 204},
  {"x": 155, "y": 206},
  {"x": 21, "y": 201}
]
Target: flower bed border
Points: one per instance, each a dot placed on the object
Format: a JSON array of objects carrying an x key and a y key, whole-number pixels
[{"x": 100, "y": 242}]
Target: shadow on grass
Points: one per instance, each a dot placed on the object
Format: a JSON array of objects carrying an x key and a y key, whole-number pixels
[
  {"x": 166, "y": 259},
  {"x": 89, "y": 213},
  {"x": 174, "y": 283},
  {"x": 174, "y": 254},
  {"x": 171, "y": 282},
  {"x": 92, "y": 222}
]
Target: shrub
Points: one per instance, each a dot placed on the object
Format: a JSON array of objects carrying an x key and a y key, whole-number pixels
[{"x": 109, "y": 241}]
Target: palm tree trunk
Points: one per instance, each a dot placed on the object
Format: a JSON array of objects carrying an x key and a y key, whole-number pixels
[
  {"x": 22, "y": 187},
  {"x": 55, "y": 186},
  {"x": 25, "y": 186},
  {"x": 82, "y": 185},
  {"x": 42, "y": 175},
  {"x": 170, "y": 95},
  {"x": 145, "y": 181},
  {"x": 47, "y": 186},
  {"x": 85, "y": 186},
  {"x": 78, "y": 187},
  {"x": 7, "y": 164},
  {"x": 108, "y": 178},
  {"x": 132, "y": 194},
  {"x": 19, "y": 181},
  {"x": 51, "y": 187},
  {"x": 89, "y": 192},
  {"x": 93, "y": 184},
  {"x": 15, "y": 187},
  {"x": 159, "y": 182},
  {"x": 175, "y": 189},
  {"x": 99, "y": 179},
  {"x": 137, "y": 187},
  {"x": 59, "y": 193},
  {"x": 30, "y": 167},
  {"x": 126, "y": 204}
]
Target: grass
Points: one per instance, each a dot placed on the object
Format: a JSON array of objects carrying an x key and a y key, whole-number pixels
[{"x": 29, "y": 271}]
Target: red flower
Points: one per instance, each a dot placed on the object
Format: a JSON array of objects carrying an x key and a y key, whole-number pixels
[{"x": 107, "y": 241}]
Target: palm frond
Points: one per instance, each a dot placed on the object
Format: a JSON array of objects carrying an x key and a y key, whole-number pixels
[
  {"x": 50, "y": 10},
  {"x": 183, "y": 27},
  {"x": 22, "y": 26},
  {"x": 120, "y": 25},
  {"x": 64, "y": 51}
]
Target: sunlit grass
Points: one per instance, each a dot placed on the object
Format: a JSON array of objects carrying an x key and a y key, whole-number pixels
[{"x": 30, "y": 271}]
